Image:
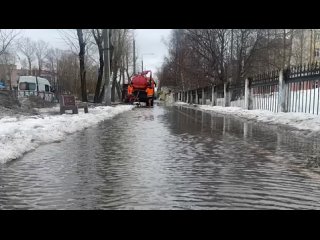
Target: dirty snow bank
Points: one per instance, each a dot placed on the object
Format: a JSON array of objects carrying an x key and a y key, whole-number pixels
[
  {"x": 301, "y": 121},
  {"x": 181, "y": 103},
  {"x": 20, "y": 135}
]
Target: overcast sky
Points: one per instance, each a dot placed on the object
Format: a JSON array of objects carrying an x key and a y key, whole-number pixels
[{"x": 149, "y": 43}]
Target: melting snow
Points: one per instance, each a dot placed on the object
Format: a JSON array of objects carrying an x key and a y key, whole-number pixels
[{"x": 20, "y": 135}]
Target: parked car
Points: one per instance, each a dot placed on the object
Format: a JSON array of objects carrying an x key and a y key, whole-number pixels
[{"x": 2, "y": 85}]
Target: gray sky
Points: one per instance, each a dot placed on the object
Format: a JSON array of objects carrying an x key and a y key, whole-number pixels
[
  {"x": 150, "y": 45},
  {"x": 51, "y": 36},
  {"x": 148, "y": 41}
]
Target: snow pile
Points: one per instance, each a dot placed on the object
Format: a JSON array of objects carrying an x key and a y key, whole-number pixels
[
  {"x": 20, "y": 135},
  {"x": 181, "y": 103},
  {"x": 55, "y": 109},
  {"x": 301, "y": 121}
]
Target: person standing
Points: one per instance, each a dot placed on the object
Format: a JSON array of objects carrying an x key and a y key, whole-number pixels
[
  {"x": 130, "y": 92},
  {"x": 150, "y": 93}
]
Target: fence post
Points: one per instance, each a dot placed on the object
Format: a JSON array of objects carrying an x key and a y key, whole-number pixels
[
  {"x": 226, "y": 94},
  {"x": 196, "y": 96},
  {"x": 248, "y": 95},
  {"x": 187, "y": 97},
  {"x": 214, "y": 96},
  {"x": 203, "y": 98},
  {"x": 282, "y": 103}
]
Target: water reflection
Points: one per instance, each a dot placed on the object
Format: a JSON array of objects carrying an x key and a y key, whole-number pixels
[{"x": 168, "y": 158}]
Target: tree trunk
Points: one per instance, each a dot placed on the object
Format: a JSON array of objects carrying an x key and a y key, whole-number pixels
[
  {"x": 114, "y": 81},
  {"x": 284, "y": 48},
  {"x": 127, "y": 69},
  {"x": 82, "y": 46},
  {"x": 268, "y": 50},
  {"x": 118, "y": 88},
  {"x": 100, "y": 74},
  {"x": 311, "y": 36},
  {"x": 101, "y": 96},
  {"x": 29, "y": 62},
  {"x": 40, "y": 67},
  {"x": 301, "y": 46},
  {"x": 98, "y": 39},
  {"x": 122, "y": 76},
  {"x": 107, "y": 90},
  {"x": 290, "y": 49}
]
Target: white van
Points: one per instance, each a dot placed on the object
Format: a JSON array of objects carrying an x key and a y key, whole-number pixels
[{"x": 32, "y": 85}]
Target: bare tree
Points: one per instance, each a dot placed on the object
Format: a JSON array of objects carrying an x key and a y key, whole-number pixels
[
  {"x": 97, "y": 34},
  {"x": 117, "y": 51},
  {"x": 299, "y": 47},
  {"x": 7, "y": 37},
  {"x": 24, "y": 63},
  {"x": 67, "y": 68},
  {"x": 8, "y": 64},
  {"x": 80, "y": 43},
  {"x": 119, "y": 59},
  {"x": 27, "y": 48},
  {"x": 52, "y": 63},
  {"x": 82, "y": 46},
  {"x": 41, "y": 48}
]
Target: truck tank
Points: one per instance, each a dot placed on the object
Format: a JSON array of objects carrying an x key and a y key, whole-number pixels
[{"x": 140, "y": 83}]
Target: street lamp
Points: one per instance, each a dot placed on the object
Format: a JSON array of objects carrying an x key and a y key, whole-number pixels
[{"x": 142, "y": 59}]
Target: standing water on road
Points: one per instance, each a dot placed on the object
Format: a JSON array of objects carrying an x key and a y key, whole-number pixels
[{"x": 168, "y": 158}]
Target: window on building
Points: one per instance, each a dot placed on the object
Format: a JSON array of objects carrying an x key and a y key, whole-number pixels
[{"x": 46, "y": 88}]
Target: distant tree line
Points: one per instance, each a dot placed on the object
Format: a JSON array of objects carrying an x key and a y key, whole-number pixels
[
  {"x": 78, "y": 70},
  {"x": 202, "y": 57}
]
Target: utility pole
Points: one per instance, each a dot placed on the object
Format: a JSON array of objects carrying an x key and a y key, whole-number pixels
[
  {"x": 142, "y": 59},
  {"x": 231, "y": 57},
  {"x": 107, "y": 88},
  {"x": 311, "y": 36},
  {"x": 134, "y": 56}
]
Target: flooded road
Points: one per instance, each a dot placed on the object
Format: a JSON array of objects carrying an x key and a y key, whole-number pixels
[{"x": 168, "y": 158}]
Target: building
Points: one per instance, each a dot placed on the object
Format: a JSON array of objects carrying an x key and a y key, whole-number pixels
[
  {"x": 8, "y": 75},
  {"x": 305, "y": 46}
]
